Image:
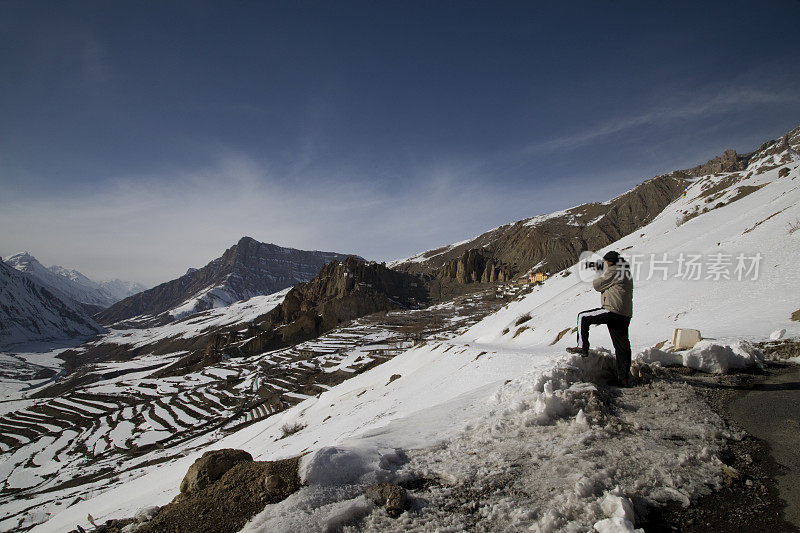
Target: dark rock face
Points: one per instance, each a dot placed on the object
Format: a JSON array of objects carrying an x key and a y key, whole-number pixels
[{"x": 249, "y": 268}]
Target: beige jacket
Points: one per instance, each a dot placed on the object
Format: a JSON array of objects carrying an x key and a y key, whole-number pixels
[{"x": 616, "y": 290}]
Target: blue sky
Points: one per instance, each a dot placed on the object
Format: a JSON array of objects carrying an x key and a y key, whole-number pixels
[{"x": 138, "y": 139}]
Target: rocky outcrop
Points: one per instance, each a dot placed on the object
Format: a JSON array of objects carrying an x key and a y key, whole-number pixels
[
  {"x": 223, "y": 505},
  {"x": 729, "y": 161},
  {"x": 249, "y": 268},
  {"x": 342, "y": 291},
  {"x": 475, "y": 266},
  {"x": 210, "y": 467}
]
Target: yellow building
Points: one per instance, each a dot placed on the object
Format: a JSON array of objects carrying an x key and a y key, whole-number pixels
[
  {"x": 536, "y": 277},
  {"x": 531, "y": 277}
]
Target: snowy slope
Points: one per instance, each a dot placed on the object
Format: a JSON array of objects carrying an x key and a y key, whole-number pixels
[
  {"x": 69, "y": 283},
  {"x": 237, "y": 313},
  {"x": 31, "y": 312},
  {"x": 210, "y": 298},
  {"x": 461, "y": 407}
]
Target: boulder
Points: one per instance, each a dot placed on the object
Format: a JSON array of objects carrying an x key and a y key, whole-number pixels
[
  {"x": 275, "y": 484},
  {"x": 210, "y": 467},
  {"x": 393, "y": 497}
]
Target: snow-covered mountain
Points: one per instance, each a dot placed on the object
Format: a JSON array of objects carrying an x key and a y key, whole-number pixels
[
  {"x": 502, "y": 415},
  {"x": 247, "y": 269},
  {"x": 114, "y": 289},
  {"x": 71, "y": 284},
  {"x": 30, "y": 311},
  {"x": 119, "y": 289}
]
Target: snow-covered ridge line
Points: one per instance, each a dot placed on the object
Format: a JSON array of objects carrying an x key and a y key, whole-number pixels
[{"x": 774, "y": 153}]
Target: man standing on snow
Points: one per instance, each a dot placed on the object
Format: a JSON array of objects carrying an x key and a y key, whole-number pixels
[{"x": 616, "y": 309}]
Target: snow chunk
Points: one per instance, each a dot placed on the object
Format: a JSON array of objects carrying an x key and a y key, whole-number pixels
[
  {"x": 615, "y": 505},
  {"x": 708, "y": 356},
  {"x": 145, "y": 514},
  {"x": 338, "y": 465},
  {"x": 616, "y": 525}
]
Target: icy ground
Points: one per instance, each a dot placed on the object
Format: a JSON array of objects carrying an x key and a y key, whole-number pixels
[{"x": 496, "y": 429}]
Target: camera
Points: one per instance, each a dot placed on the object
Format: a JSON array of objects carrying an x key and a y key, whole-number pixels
[{"x": 594, "y": 265}]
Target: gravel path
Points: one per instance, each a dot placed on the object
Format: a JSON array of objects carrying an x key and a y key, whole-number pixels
[
  {"x": 762, "y": 492},
  {"x": 770, "y": 411}
]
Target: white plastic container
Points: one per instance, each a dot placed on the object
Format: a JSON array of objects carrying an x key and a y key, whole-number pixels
[{"x": 683, "y": 339}]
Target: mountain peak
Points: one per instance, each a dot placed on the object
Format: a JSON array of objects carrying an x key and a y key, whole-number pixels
[
  {"x": 249, "y": 268},
  {"x": 23, "y": 261}
]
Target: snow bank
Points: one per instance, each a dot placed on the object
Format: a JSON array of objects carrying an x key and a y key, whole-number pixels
[{"x": 708, "y": 356}]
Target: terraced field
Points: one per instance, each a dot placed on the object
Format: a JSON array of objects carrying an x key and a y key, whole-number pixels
[{"x": 56, "y": 451}]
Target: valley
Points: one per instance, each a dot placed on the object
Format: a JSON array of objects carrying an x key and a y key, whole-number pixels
[{"x": 120, "y": 419}]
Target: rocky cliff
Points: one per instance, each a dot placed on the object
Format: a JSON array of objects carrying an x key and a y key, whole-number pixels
[
  {"x": 475, "y": 266},
  {"x": 248, "y": 268}
]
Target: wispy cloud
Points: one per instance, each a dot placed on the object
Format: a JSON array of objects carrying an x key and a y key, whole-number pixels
[{"x": 669, "y": 111}]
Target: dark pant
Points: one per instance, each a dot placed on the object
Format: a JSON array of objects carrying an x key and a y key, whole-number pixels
[{"x": 617, "y": 327}]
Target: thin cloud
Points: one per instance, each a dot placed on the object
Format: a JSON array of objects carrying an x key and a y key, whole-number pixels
[{"x": 717, "y": 104}]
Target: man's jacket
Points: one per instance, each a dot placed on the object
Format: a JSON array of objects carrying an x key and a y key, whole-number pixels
[{"x": 616, "y": 289}]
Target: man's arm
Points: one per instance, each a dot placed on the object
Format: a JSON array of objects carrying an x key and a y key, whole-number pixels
[{"x": 605, "y": 281}]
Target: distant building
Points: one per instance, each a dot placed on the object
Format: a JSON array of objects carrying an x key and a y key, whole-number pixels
[
  {"x": 537, "y": 277},
  {"x": 532, "y": 277}
]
